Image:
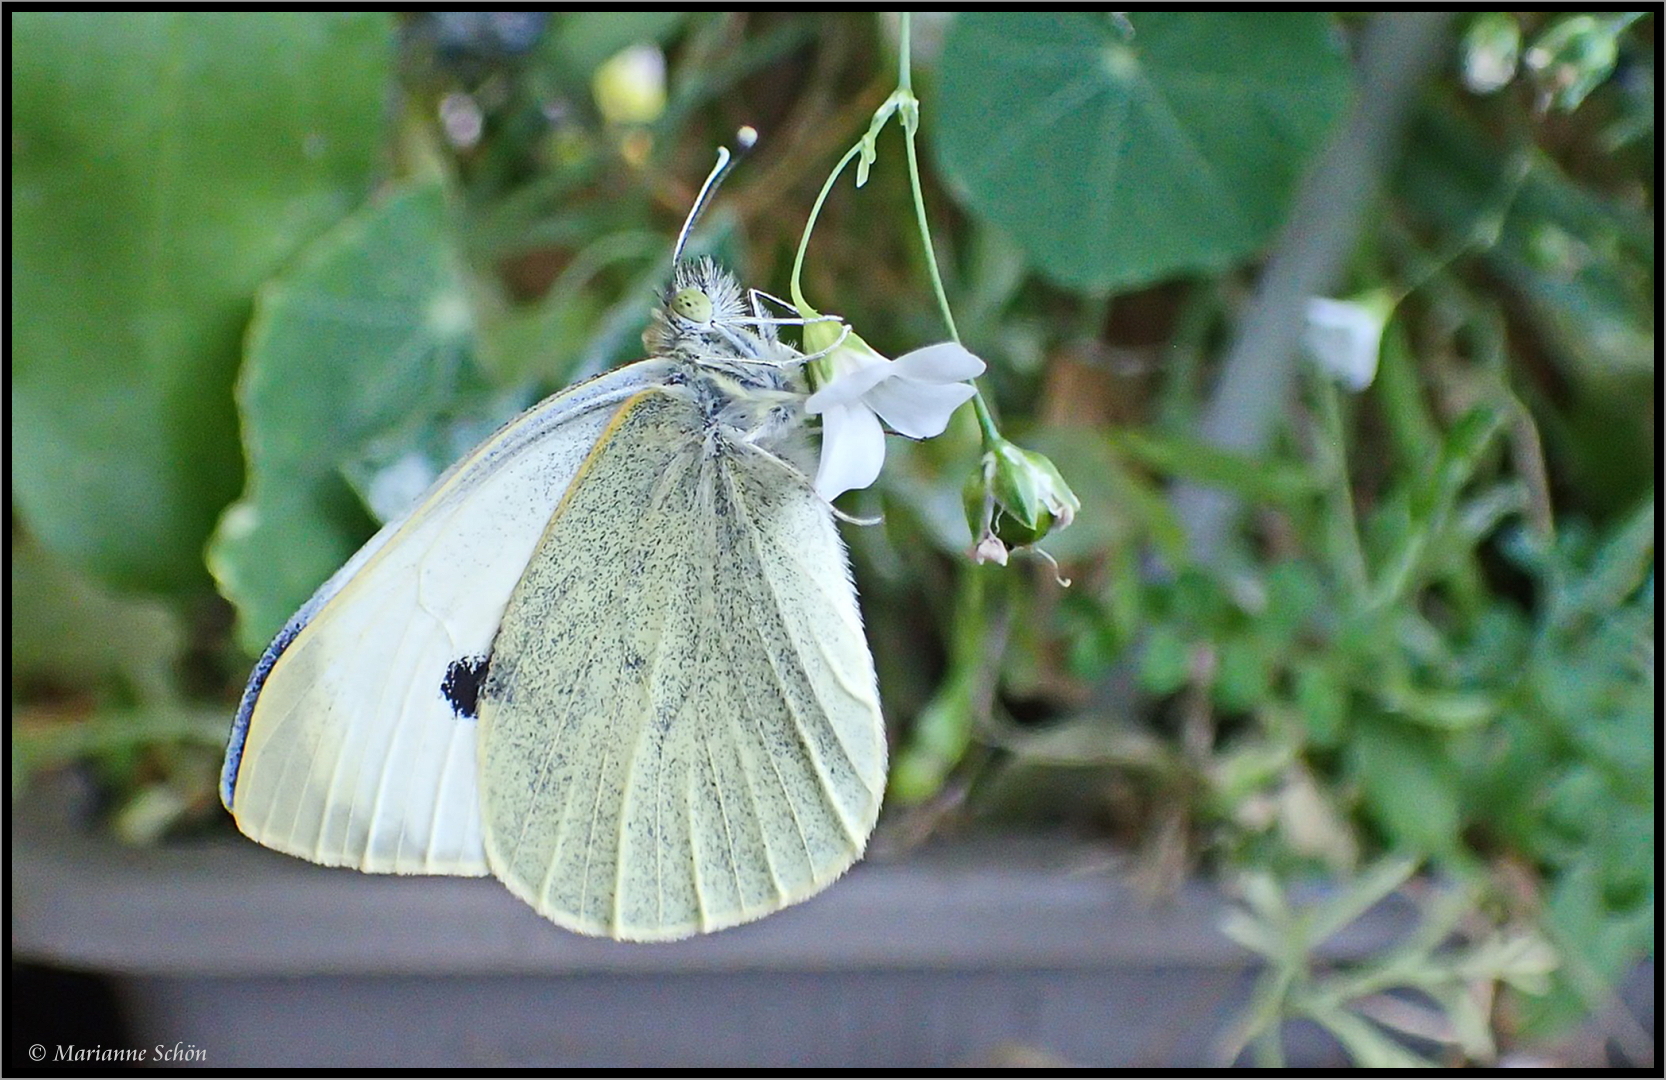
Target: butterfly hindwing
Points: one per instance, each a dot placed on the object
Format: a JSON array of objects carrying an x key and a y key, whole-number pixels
[{"x": 679, "y": 727}]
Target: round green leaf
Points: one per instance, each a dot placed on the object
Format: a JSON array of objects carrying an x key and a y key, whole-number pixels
[
  {"x": 1117, "y": 159},
  {"x": 356, "y": 354},
  {"x": 164, "y": 165}
]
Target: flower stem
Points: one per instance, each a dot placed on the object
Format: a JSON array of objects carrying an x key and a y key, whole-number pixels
[
  {"x": 910, "y": 125},
  {"x": 908, "y": 129},
  {"x": 1342, "y": 518},
  {"x": 905, "y": 52},
  {"x": 809, "y": 226},
  {"x": 904, "y": 102}
]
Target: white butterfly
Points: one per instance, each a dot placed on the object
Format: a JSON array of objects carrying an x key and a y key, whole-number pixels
[{"x": 613, "y": 657}]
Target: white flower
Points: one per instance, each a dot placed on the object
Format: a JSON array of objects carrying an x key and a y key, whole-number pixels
[
  {"x": 1345, "y": 336},
  {"x": 990, "y": 549},
  {"x": 915, "y": 394}
]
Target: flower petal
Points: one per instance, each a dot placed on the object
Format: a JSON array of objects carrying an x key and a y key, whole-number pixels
[
  {"x": 918, "y": 409},
  {"x": 850, "y": 386},
  {"x": 852, "y": 450},
  {"x": 947, "y": 361},
  {"x": 1344, "y": 337}
]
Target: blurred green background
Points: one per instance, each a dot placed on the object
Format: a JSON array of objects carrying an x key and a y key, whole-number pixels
[{"x": 272, "y": 272}]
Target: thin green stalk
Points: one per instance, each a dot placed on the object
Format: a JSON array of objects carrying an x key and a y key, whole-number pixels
[
  {"x": 905, "y": 52},
  {"x": 986, "y": 422},
  {"x": 1343, "y": 518},
  {"x": 904, "y": 102},
  {"x": 942, "y": 732},
  {"x": 910, "y": 125},
  {"x": 810, "y": 225}
]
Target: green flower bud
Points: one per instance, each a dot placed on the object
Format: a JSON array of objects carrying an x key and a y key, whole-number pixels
[
  {"x": 1492, "y": 49},
  {"x": 1574, "y": 56},
  {"x": 851, "y": 355},
  {"x": 1015, "y": 499}
]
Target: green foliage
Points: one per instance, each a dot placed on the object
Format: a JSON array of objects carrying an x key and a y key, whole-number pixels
[
  {"x": 1430, "y": 641},
  {"x": 1579, "y": 259},
  {"x": 72, "y": 633},
  {"x": 101, "y": 677},
  {"x": 1354, "y": 1003},
  {"x": 359, "y": 368},
  {"x": 1118, "y": 154},
  {"x": 1583, "y": 728},
  {"x": 165, "y": 165}
]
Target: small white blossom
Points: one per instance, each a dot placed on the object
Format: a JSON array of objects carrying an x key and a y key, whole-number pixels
[
  {"x": 1344, "y": 337},
  {"x": 990, "y": 549},
  {"x": 915, "y": 394}
]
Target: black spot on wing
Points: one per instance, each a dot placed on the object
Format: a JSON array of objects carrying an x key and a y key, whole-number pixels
[{"x": 461, "y": 685}]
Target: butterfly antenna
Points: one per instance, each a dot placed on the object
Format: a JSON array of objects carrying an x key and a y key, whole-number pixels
[{"x": 744, "y": 139}]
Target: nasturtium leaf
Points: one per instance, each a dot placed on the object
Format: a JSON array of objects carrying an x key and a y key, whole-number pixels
[
  {"x": 360, "y": 358},
  {"x": 164, "y": 165},
  {"x": 1118, "y": 159},
  {"x": 70, "y": 631}
]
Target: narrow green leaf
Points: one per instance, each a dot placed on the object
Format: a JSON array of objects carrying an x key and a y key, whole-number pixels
[
  {"x": 1432, "y": 498},
  {"x": 1369, "y": 1047},
  {"x": 1362, "y": 894},
  {"x": 1440, "y": 709},
  {"x": 1620, "y": 566},
  {"x": 1409, "y": 784},
  {"x": 48, "y": 744},
  {"x": 1252, "y": 478}
]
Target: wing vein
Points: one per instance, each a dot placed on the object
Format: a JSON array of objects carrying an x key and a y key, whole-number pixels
[
  {"x": 856, "y": 835},
  {"x": 711, "y": 762},
  {"x": 780, "y": 781},
  {"x": 647, "y": 729},
  {"x": 590, "y": 848}
]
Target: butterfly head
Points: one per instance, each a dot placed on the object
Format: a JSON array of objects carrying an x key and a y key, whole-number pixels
[{"x": 702, "y": 317}]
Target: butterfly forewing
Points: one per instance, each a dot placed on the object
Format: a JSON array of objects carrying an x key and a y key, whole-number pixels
[
  {"x": 356, "y": 743},
  {"x": 679, "y": 728}
]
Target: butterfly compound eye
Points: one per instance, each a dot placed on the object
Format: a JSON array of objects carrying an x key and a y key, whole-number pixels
[{"x": 694, "y": 305}]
